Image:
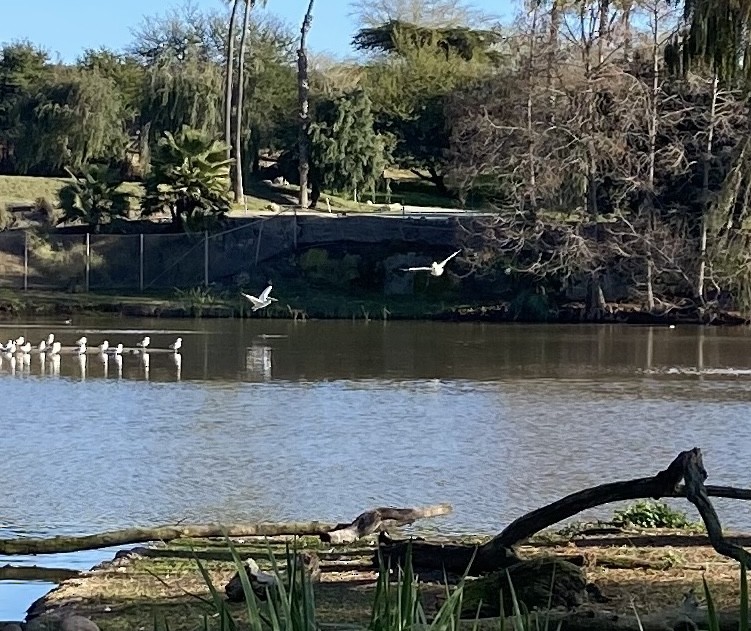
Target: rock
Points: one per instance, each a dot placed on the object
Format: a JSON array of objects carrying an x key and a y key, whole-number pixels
[
  {"x": 274, "y": 207},
  {"x": 260, "y": 582},
  {"x": 532, "y": 582},
  {"x": 78, "y": 623}
]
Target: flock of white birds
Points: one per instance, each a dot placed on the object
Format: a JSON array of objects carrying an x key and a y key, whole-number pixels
[
  {"x": 265, "y": 299},
  {"x": 52, "y": 347}
]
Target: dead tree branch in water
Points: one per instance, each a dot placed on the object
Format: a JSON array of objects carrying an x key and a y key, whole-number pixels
[{"x": 498, "y": 553}]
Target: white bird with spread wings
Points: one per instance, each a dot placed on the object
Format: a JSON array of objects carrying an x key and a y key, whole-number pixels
[
  {"x": 263, "y": 300},
  {"x": 435, "y": 269}
]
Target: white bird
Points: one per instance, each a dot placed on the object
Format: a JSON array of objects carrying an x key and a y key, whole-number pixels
[
  {"x": 10, "y": 347},
  {"x": 81, "y": 350},
  {"x": 55, "y": 350},
  {"x": 42, "y": 346},
  {"x": 24, "y": 348},
  {"x": 177, "y": 344},
  {"x": 116, "y": 350},
  {"x": 263, "y": 300},
  {"x": 104, "y": 346},
  {"x": 20, "y": 341},
  {"x": 144, "y": 343},
  {"x": 435, "y": 269},
  {"x": 50, "y": 339},
  {"x": 81, "y": 340}
]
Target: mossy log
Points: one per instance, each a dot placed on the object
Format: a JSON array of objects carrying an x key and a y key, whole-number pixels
[{"x": 537, "y": 584}]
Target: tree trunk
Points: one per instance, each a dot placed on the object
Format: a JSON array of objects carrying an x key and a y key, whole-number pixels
[
  {"x": 239, "y": 192},
  {"x": 303, "y": 90},
  {"x": 653, "y": 118},
  {"x": 229, "y": 71},
  {"x": 700, "y": 280}
]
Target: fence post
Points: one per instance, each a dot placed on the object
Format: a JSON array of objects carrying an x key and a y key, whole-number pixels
[
  {"x": 294, "y": 229},
  {"x": 206, "y": 258},
  {"x": 140, "y": 277},
  {"x": 25, "y": 261},
  {"x": 88, "y": 262}
]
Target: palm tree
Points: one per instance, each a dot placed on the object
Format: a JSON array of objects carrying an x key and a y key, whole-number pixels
[
  {"x": 303, "y": 88},
  {"x": 189, "y": 179},
  {"x": 93, "y": 197}
]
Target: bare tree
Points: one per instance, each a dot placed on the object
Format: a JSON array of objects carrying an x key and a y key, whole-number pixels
[{"x": 303, "y": 88}]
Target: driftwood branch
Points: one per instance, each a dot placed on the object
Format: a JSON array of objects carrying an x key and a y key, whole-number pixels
[
  {"x": 371, "y": 521},
  {"x": 498, "y": 552}
]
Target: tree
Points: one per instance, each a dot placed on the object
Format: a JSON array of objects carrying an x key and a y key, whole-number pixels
[
  {"x": 410, "y": 88},
  {"x": 71, "y": 119},
  {"x": 303, "y": 86},
  {"x": 94, "y": 197},
  {"x": 228, "y": 73},
  {"x": 238, "y": 182},
  {"x": 346, "y": 152},
  {"x": 189, "y": 179},
  {"x": 432, "y": 13}
]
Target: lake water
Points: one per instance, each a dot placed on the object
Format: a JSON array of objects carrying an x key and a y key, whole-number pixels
[{"x": 275, "y": 420}]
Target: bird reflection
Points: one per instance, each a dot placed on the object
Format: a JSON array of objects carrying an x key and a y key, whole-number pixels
[
  {"x": 56, "y": 364},
  {"x": 82, "y": 365},
  {"x": 119, "y": 364},
  {"x": 145, "y": 362},
  {"x": 104, "y": 358},
  {"x": 178, "y": 359}
]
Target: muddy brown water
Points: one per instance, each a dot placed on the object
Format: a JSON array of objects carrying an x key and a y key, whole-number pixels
[{"x": 275, "y": 420}]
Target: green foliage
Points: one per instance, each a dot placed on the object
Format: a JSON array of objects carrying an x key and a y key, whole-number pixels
[
  {"x": 317, "y": 266},
  {"x": 94, "y": 197},
  {"x": 72, "y": 119},
  {"x": 649, "y": 514},
  {"x": 346, "y": 152},
  {"x": 189, "y": 179},
  {"x": 182, "y": 92}
]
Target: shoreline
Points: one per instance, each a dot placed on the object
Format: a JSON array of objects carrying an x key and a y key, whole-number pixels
[
  {"x": 19, "y": 303},
  {"x": 653, "y": 570}
]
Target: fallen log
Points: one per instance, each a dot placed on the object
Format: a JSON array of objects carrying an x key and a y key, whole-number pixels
[
  {"x": 371, "y": 521},
  {"x": 498, "y": 553},
  {"x": 27, "y": 573}
]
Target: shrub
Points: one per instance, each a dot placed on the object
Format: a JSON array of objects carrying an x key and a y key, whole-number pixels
[{"x": 649, "y": 514}]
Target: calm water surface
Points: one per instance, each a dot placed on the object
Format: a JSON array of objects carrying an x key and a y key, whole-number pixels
[{"x": 271, "y": 420}]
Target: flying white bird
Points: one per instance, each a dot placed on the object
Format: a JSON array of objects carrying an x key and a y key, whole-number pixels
[
  {"x": 263, "y": 300},
  {"x": 435, "y": 269},
  {"x": 177, "y": 344},
  {"x": 144, "y": 343}
]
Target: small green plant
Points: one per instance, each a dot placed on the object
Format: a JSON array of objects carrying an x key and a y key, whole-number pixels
[
  {"x": 47, "y": 210},
  {"x": 93, "y": 197},
  {"x": 196, "y": 299},
  {"x": 650, "y": 514}
]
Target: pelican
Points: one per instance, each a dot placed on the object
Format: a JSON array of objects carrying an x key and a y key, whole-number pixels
[
  {"x": 176, "y": 345},
  {"x": 104, "y": 346},
  {"x": 42, "y": 346},
  {"x": 81, "y": 341},
  {"x": 50, "y": 339},
  {"x": 55, "y": 350},
  {"x": 24, "y": 348},
  {"x": 144, "y": 343},
  {"x": 20, "y": 341},
  {"x": 81, "y": 350},
  {"x": 10, "y": 347},
  {"x": 435, "y": 269},
  {"x": 116, "y": 350},
  {"x": 263, "y": 300}
]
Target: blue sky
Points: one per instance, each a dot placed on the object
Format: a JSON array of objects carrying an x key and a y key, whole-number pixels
[{"x": 67, "y": 28}]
